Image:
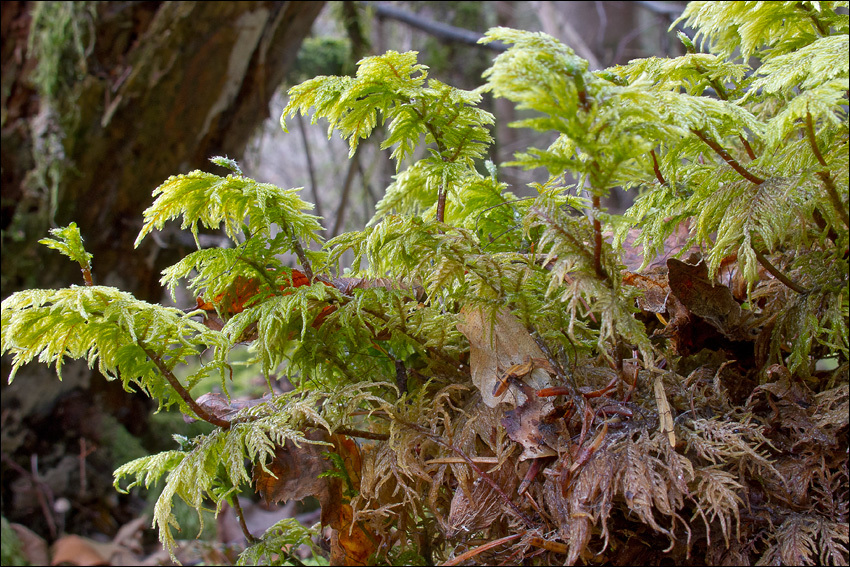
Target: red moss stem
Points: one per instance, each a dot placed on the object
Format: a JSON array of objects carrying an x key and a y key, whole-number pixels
[{"x": 727, "y": 158}]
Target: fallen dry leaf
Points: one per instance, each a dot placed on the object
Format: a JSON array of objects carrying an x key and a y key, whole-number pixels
[
  {"x": 655, "y": 289},
  {"x": 495, "y": 348},
  {"x": 665, "y": 414},
  {"x": 293, "y": 474},
  {"x": 33, "y": 545},
  {"x": 217, "y": 405},
  {"x": 526, "y": 425},
  {"x": 77, "y": 550},
  {"x": 713, "y": 303}
]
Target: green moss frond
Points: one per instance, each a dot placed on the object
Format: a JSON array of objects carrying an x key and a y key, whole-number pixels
[
  {"x": 107, "y": 327},
  {"x": 69, "y": 242},
  {"x": 211, "y": 200},
  {"x": 759, "y": 28}
]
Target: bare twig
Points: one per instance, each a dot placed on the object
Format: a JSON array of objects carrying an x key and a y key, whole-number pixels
[
  {"x": 299, "y": 251},
  {"x": 441, "y": 147},
  {"x": 437, "y": 29},
  {"x": 655, "y": 167},
  {"x": 234, "y": 503},
  {"x": 362, "y": 434},
  {"x": 777, "y": 274},
  {"x": 310, "y": 169},
  {"x": 346, "y": 190},
  {"x": 181, "y": 391},
  {"x": 727, "y": 158},
  {"x": 42, "y": 490},
  {"x": 597, "y": 240},
  {"x": 480, "y": 549}
]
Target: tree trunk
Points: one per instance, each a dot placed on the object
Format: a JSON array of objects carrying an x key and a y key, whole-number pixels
[{"x": 139, "y": 91}]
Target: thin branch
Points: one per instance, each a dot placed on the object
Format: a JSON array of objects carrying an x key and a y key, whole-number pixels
[
  {"x": 727, "y": 158},
  {"x": 437, "y": 29},
  {"x": 484, "y": 476},
  {"x": 597, "y": 240},
  {"x": 299, "y": 251},
  {"x": 723, "y": 95},
  {"x": 829, "y": 184},
  {"x": 310, "y": 169},
  {"x": 441, "y": 147},
  {"x": 747, "y": 147},
  {"x": 810, "y": 131},
  {"x": 42, "y": 489},
  {"x": 777, "y": 274},
  {"x": 178, "y": 387},
  {"x": 834, "y": 197},
  {"x": 346, "y": 190},
  {"x": 655, "y": 167},
  {"x": 234, "y": 503},
  {"x": 362, "y": 434},
  {"x": 480, "y": 549}
]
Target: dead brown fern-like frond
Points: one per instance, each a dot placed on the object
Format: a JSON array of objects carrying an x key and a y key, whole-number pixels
[
  {"x": 587, "y": 503},
  {"x": 479, "y": 507},
  {"x": 478, "y": 432},
  {"x": 831, "y": 409},
  {"x": 647, "y": 482},
  {"x": 388, "y": 499},
  {"x": 834, "y": 538},
  {"x": 717, "y": 498},
  {"x": 395, "y": 474},
  {"x": 806, "y": 540},
  {"x": 730, "y": 441}
]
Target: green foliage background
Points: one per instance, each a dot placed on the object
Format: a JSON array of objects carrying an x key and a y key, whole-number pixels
[{"x": 754, "y": 158}]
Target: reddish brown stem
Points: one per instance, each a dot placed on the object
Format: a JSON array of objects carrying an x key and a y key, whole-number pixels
[
  {"x": 362, "y": 434},
  {"x": 182, "y": 392},
  {"x": 87, "y": 275},
  {"x": 597, "y": 240},
  {"x": 465, "y": 556},
  {"x": 828, "y": 183},
  {"x": 441, "y": 204},
  {"x": 834, "y": 198},
  {"x": 747, "y": 147},
  {"x": 810, "y": 131},
  {"x": 658, "y": 175},
  {"x": 727, "y": 158},
  {"x": 234, "y": 503},
  {"x": 777, "y": 274}
]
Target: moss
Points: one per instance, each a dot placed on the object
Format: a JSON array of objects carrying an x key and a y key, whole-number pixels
[
  {"x": 61, "y": 37},
  {"x": 10, "y": 546}
]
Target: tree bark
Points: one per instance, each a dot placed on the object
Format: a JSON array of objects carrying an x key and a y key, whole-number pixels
[{"x": 162, "y": 87}]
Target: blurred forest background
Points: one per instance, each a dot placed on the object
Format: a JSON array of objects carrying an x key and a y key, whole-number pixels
[{"x": 102, "y": 101}]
